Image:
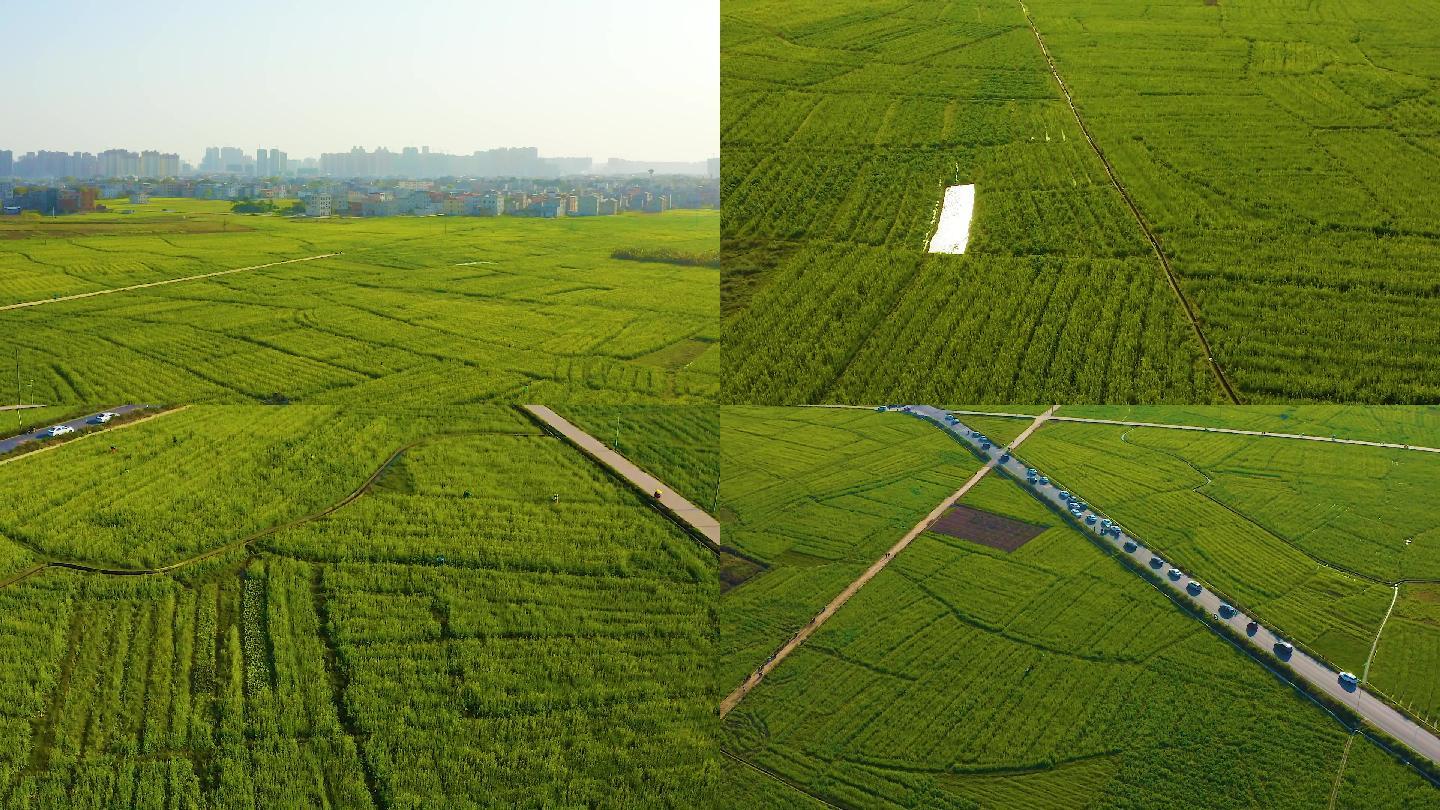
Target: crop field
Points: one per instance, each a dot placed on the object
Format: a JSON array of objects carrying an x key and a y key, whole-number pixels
[
  {"x": 1050, "y": 676},
  {"x": 455, "y": 635},
  {"x": 815, "y": 496},
  {"x": 1312, "y": 537},
  {"x": 679, "y": 444},
  {"x": 1279, "y": 154},
  {"x": 1408, "y": 655},
  {"x": 412, "y": 312}
]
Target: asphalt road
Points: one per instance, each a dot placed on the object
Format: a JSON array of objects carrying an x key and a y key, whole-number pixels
[
  {"x": 876, "y": 567},
  {"x": 1375, "y": 711},
  {"x": 688, "y": 513},
  {"x": 6, "y": 445}
]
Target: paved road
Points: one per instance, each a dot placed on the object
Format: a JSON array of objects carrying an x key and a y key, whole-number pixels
[
  {"x": 1377, "y": 712},
  {"x": 6, "y": 445},
  {"x": 688, "y": 513},
  {"x": 876, "y": 567},
  {"x": 161, "y": 283}
]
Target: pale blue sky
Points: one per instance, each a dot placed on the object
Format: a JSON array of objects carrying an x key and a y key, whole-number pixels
[{"x": 623, "y": 78}]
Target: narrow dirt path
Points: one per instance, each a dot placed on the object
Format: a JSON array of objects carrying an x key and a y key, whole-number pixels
[
  {"x": 876, "y": 567},
  {"x": 1135, "y": 211},
  {"x": 1365, "y": 675},
  {"x": 160, "y": 283}
]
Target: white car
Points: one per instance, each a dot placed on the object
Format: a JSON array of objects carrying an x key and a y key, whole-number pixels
[
  {"x": 103, "y": 418},
  {"x": 59, "y": 430}
]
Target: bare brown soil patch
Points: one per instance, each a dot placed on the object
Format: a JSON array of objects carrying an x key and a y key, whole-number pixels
[{"x": 986, "y": 528}]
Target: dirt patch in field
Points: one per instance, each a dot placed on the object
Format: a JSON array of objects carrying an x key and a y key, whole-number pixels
[
  {"x": 986, "y": 528},
  {"x": 736, "y": 570}
]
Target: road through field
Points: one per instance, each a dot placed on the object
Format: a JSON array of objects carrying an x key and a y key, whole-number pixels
[
  {"x": 161, "y": 282},
  {"x": 688, "y": 513},
  {"x": 79, "y": 424},
  {"x": 876, "y": 567},
  {"x": 1185, "y": 589}
]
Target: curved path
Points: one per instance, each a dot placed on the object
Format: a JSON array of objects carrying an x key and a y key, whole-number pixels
[
  {"x": 1190, "y": 591},
  {"x": 160, "y": 283},
  {"x": 876, "y": 567},
  {"x": 686, "y": 512}
]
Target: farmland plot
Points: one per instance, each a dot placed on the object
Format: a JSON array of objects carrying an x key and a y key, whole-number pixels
[
  {"x": 679, "y": 444},
  {"x": 414, "y": 312},
  {"x": 454, "y": 635},
  {"x": 190, "y": 482},
  {"x": 1281, "y": 154},
  {"x": 844, "y": 133},
  {"x": 963, "y": 676},
  {"x": 1395, "y": 424},
  {"x": 814, "y": 496},
  {"x": 1307, "y": 536}
]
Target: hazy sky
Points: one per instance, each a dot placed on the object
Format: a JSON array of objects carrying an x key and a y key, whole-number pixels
[{"x": 623, "y": 78}]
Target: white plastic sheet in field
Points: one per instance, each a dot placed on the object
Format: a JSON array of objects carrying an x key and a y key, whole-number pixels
[{"x": 954, "y": 229}]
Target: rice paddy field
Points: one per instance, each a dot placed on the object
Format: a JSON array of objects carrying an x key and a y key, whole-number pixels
[
  {"x": 409, "y": 311},
  {"x": 451, "y": 634},
  {"x": 1249, "y": 185},
  {"x": 1311, "y": 537},
  {"x": 809, "y": 498},
  {"x": 966, "y": 676}
]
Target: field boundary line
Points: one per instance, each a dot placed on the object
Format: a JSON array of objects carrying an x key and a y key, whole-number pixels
[
  {"x": 1340, "y": 774},
  {"x": 1134, "y": 210},
  {"x": 87, "y": 434},
  {"x": 761, "y": 769},
  {"x": 261, "y": 533},
  {"x": 1365, "y": 673},
  {"x": 160, "y": 283},
  {"x": 687, "y": 513},
  {"x": 876, "y": 567}
]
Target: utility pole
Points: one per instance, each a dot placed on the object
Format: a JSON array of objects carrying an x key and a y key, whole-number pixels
[{"x": 19, "y": 397}]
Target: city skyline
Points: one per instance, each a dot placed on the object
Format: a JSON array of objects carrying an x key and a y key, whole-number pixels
[{"x": 573, "y": 78}]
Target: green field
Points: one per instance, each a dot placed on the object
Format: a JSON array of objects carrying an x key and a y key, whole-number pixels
[
  {"x": 450, "y": 636},
  {"x": 1051, "y": 676},
  {"x": 678, "y": 444},
  {"x": 412, "y": 312},
  {"x": 814, "y": 496},
  {"x": 1279, "y": 152}
]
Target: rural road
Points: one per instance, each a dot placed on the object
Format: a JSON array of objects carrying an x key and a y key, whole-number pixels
[
  {"x": 161, "y": 282},
  {"x": 1379, "y": 714},
  {"x": 876, "y": 567},
  {"x": 6, "y": 445},
  {"x": 688, "y": 513}
]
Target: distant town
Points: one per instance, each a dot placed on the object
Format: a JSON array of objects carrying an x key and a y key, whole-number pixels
[{"x": 413, "y": 181}]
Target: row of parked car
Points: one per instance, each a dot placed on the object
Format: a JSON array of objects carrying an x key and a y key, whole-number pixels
[{"x": 1107, "y": 528}]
